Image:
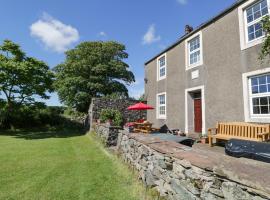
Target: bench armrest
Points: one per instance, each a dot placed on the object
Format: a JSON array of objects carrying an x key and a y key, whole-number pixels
[
  {"x": 212, "y": 130},
  {"x": 264, "y": 133}
]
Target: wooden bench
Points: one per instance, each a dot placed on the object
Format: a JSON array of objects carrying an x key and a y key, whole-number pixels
[{"x": 239, "y": 130}]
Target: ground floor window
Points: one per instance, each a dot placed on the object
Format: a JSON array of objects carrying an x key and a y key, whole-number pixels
[
  {"x": 260, "y": 95},
  {"x": 161, "y": 105}
]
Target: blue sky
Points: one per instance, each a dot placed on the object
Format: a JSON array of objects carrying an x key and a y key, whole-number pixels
[{"x": 45, "y": 29}]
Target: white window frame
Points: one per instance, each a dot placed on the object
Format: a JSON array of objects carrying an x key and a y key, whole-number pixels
[
  {"x": 247, "y": 97},
  {"x": 187, "y": 53},
  {"x": 251, "y": 96},
  {"x": 159, "y": 116},
  {"x": 158, "y": 67},
  {"x": 243, "y": 25}
]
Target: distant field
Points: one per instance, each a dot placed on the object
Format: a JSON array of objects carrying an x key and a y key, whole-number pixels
[{"x": 55, "y": 165}]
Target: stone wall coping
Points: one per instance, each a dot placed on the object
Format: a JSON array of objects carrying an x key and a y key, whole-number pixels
[
  {"x": 109, "y": 126},
  {"x": 252, "y": 173}
]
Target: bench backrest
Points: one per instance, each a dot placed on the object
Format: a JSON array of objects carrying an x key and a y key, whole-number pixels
[{"x": 242, "y": 129}]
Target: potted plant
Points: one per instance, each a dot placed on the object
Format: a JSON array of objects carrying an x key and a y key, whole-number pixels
[
  {"x": 204, "y": 140},
  {"x": 111, "y": 117}
]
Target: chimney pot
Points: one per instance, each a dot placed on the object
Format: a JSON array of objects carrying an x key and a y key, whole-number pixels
[{"x": 188, "y": 29}]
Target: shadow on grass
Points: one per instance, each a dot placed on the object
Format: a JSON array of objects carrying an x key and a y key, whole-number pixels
[{"x": 43, "y": 133}]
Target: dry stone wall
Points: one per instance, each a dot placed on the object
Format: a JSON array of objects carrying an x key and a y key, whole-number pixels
[
  {"x": 108, "y": 134},
  {"x": 180, "y": 172},
  {"x": 118, "y": 104}
]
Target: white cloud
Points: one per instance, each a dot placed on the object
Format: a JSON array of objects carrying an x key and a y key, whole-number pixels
[
  {"x": 150, "y": 36},
  {"x": 183, "y": 2},
  {"x": 102, "y": 34},
  {"x": 54, "y": 34}
]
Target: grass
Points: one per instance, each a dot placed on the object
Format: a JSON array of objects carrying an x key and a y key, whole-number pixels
[{"x": 62, "y": 165}]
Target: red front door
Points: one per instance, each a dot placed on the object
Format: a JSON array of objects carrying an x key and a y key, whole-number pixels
[{"x": 198, "y": 115}]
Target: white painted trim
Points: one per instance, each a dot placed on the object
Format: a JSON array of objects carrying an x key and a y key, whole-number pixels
[
  {"x": 158, "y": 116},
  {"x": 158, "y": 70},
  {"x": 246, "y": 97},
  {"x": 244, "y": 44},
  {"x": 195, "y": 74},
  {"x": 188, "y": 66},
  {"x": 201, "y": 88}
]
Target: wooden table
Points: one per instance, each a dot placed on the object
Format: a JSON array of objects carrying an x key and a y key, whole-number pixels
[{"x": 143, "y": 127}]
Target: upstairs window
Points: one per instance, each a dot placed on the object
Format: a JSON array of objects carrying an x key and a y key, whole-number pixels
[
  {"x": 254, "y": 15},
  {"x": 260, "y": 94},
  {"x": 194, "y": 51},
  {"x": 161, "y": 67}
]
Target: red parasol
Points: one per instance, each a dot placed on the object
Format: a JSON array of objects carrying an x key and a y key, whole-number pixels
[{"x": 140, "y": 106}]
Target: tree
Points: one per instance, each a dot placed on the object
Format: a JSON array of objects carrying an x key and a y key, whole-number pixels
[
  {"x": 142, "y": 97},
  {"x": 22, "y": 78},
  {"x": 92, "y": 69},
  {"x": 265, "y": 51}
]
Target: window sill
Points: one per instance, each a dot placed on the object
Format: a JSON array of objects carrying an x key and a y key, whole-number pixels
[
  {"x": 193, "y": 66},
  {"x": 259, "y": 119},
  {"x": 248, "y": 45},
  {"x": 161, "y": 78},
  {"x": 161, "y": 117}
]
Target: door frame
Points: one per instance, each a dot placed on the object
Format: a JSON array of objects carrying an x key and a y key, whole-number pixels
[{"x": 187, "y": 91}]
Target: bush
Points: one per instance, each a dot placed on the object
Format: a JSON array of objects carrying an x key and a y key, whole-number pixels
[
  {"x": 113, "y": 115},
  {"x": 72, "y": 113},
  {"x": 32, "y": 116}
]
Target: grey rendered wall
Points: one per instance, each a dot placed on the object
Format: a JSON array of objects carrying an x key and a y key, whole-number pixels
[
  {"x": 223, "y": 71},
  {"x": 172, "y": 85},
  {"x": 220, "y": 74}
]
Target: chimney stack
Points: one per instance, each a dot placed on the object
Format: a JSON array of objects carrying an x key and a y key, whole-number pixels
[{"x": 188, "y": 29}]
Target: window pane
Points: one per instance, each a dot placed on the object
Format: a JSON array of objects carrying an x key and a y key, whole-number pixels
[
  {"x": 256, "y": 101},
  {"x": 264, "y": 110},
  {"x": 262, "y": 80},
  {"x": 262, "y": 88},
  {"x": 263, "y": 101},
  {"x": 257, "y": 15},
  {"x": 250, "y": 18},
  {"x": 254, "y": 81},
  {"x": 251, "y": 37},
  {"x": 256, "y": 7},
  {"x": 256, "y": 110},
  {"x": 251, "y": 29},
  {"x": 268, "y": 79},
  {"x": 264, "y": 11},
  {"x": 258, "y": 33},
  {"x": 249, "y": 12},
  {"x": 258, "y": 26},
  {"x": 255, "y": 89}
]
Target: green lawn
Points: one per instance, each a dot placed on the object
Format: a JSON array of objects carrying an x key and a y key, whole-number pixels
[{"x": 57, "y": 165}]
